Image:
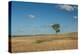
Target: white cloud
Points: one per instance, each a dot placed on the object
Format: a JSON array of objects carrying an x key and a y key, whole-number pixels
[
  {"x": 20, "y": 30},
  {"x": 51, "y": 24},
  {"x": 75, "y": 17},
  {"x": 66, "y": 7},
  {"x": 31, "y": 16}
]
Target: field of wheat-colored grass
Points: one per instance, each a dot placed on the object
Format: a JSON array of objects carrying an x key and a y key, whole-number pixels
[{"x": 44, "y": 42}]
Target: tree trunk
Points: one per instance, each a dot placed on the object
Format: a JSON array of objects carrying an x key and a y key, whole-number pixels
[{"x": 56, "y": 33}]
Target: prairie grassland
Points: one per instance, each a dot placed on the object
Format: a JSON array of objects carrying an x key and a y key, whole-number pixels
[{"x": 44, "y": 42}]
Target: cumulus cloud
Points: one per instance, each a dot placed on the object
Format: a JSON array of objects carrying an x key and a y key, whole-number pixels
[
  {"x": 75, "y": 17},
  {"x": 67, "y": 7},
  {"x": 31, "y": 16},
  {"x": 20, "y": 30},
  {"x": 51, "y": 24}
]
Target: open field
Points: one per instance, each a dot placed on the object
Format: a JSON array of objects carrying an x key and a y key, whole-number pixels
[{"x": 44, "y": 42}]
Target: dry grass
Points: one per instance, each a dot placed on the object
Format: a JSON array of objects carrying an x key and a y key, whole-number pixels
[{"x": 47, "y": 42}]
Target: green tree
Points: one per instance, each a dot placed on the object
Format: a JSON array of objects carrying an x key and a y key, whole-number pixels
[{"x": 56, "y": 27}]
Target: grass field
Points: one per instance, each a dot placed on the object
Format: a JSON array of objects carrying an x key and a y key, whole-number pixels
[{"x": 44, "y": 42}]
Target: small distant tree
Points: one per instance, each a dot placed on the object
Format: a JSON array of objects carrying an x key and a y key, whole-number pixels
[{"x": 56, "y": 27}]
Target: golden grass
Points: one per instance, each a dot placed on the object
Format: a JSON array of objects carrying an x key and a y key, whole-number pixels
[{"x": 49, "y": 42}]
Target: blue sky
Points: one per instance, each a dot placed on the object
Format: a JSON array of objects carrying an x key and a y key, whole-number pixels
[{"x": 36, "y": 18}]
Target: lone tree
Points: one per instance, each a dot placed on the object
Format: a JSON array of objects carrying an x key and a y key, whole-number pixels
[{"x": 56, "y": 27}]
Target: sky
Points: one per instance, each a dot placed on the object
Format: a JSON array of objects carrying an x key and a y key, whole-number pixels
[{"x": 36, "y": 18}]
